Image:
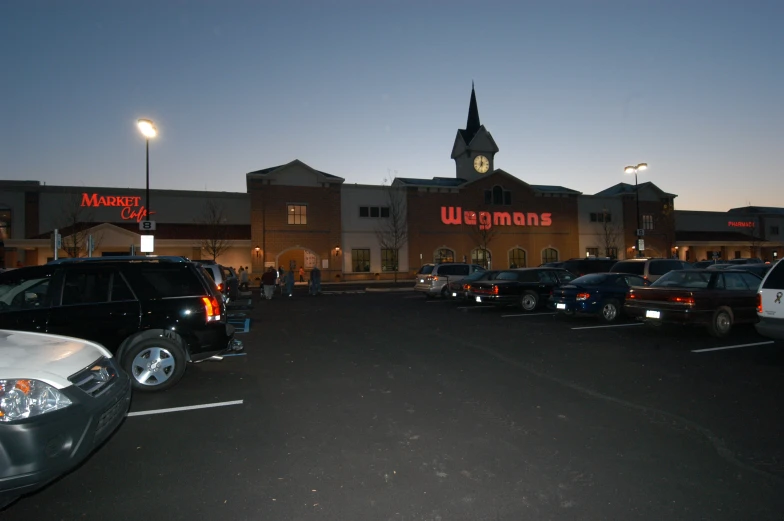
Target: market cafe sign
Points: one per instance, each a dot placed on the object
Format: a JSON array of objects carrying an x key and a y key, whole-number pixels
[
  {"x": 131, "y": 209},
  {"x": 741, "y": 224},
  {"x": 452, "y": 215}
]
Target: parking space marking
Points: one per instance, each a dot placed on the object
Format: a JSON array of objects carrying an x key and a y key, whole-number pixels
[
  {"x": 186, "y": 408},
  {"x": 610, "y": 325},
  {"x": 241, "y": 325},
  {"x": 527, "y": 315},
  {"x": 732, "y": 347},
  {"x": 234, "y": 354}
]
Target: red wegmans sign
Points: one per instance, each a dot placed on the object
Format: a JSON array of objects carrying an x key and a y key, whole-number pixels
[
  {"x": 452, "y": 215},
  {"x": 126, "y": 202}
]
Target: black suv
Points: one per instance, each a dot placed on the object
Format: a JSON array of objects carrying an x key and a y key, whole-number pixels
[
  {"x": 588, "y": 265},
  {"x": 153, "y": 313}
]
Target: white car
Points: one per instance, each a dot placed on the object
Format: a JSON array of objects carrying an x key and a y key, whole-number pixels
[
  {"x": 60, "y": 398},
  {"x": 770, "y": 303}
]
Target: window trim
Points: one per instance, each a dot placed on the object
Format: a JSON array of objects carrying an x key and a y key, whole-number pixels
[{"x": 295, "y": 214}]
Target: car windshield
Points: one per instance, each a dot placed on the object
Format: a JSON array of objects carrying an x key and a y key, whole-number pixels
[
  {"x": 474, "y": 276},
  {"x": 593, "y": 278},
  {"x": 684, "y": 279},
  {"x": 427, "y": 269}
]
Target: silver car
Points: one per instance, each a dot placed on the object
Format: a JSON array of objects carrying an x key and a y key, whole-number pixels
[{"x": 433, "y": 279}]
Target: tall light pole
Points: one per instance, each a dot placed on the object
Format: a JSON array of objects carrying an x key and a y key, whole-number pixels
[
  {"x": 634, "y": 170},
  {"x": 148, "y": 130}
]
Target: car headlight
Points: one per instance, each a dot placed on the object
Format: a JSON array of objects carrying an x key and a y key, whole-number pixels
[{"x": 21, "y": 399}]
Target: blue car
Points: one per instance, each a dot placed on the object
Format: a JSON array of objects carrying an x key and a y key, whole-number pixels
[{"x": 601, "y": 294}]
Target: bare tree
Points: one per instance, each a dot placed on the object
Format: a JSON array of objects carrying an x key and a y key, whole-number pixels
[
  {"x": 75, "y": 224},
  {"x": 392, "y": 231},
  {"x": 481, "y": 229},
  {"x": 215, "y": 232},
  {"x": 611, "y": 234}
]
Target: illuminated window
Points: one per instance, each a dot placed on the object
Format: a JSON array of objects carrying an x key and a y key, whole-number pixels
[
  {"x": 647, "y": 222},
  {"x": 444, "y": 255},
  {"x": 360, "y": 260},
  {"x": 592, "y": 252},
  {"x": 549, "y": 255},
  {"x": 480, "y": 256},
  {"x": 517, "y": 258},
  {"x": 297, "y": 214},
  {"x": 388, "y": 259},
  {"x": 5, "y": 223}
]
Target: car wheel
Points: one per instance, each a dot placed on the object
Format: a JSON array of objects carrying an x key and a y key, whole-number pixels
[
  {"x": 155, "y": 364},
  {"x": 529, "y": 301},
  {"x": 721, "y": 323},
  {"x": 609, "y": 311}
]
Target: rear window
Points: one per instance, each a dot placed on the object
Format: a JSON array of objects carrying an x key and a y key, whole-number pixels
[
  {"x": 636, "y": 268},
  {"x": 775, "y": 278},
  {"x": 168, "y": 281},
  {"x": 685, "y": 279},
  {"x": 660, "y": 267},
  {"x": 592, "y": 279},
  {"x": 427, "y": 269}
]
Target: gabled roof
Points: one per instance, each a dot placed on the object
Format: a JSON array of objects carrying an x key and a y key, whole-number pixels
[
  {"x": 270, "y": 170},
  {"x": 626, "y": 188},
  {"x": 552, "y": 189}
]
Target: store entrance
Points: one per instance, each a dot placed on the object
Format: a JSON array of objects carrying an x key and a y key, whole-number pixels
[{"x": 296, "y": 258}]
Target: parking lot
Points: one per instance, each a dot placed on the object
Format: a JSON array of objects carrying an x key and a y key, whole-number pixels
[{"x": 385, "y": 405}]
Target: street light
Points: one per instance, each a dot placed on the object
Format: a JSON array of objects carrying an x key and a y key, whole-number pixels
[
  {"x": 148, "y": 130},
  {"x": 634, "y": 170}
]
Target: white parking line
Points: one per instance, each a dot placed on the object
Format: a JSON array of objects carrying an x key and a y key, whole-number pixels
[
  {"x": 188, "y": 408},
  {"x": 527, "y": 315},
  {"x": 731, "y": 347},
  {"x": 611, "y": 325}
]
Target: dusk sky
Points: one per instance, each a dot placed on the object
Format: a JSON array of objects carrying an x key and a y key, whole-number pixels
[{"x": 572, "y": 92}]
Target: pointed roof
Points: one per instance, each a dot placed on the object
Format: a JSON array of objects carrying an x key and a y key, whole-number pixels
[
  {"x": 266, "y": 171},
  {"x": 626, "y": 188},
  {"x": 472, "y": 123}
]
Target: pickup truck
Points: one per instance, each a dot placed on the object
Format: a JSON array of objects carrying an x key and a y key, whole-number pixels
[{"x": 527, "y": 287}]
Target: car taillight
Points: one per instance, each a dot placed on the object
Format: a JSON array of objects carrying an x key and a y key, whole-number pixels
[
  {"x": 431, "y": 278},
  {"x": 631, "y": 294},
  {"x": 220, "y": 286},
  {"x": 495, "y": 289},
  {"x": 759, "y": 303},
  {"x": 583, "y": 296},
  {"x": 212, "y": 308},
  {"x": 466, "y": 286},
  {"x": 682, "y": 300}
]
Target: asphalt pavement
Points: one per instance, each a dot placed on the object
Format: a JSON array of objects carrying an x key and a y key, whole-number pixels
[{"x": 369, "y": 405}]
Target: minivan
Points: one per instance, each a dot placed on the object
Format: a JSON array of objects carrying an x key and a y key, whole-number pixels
[
  {"x": 649, "y": 268},
  {"x": 433, "y": 279}
]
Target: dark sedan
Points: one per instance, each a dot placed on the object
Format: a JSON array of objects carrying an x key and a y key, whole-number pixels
[
  {"x": 713, "y": 298},
  {"x": 527, "y": 287},
  {"x": 459, "y": 289},
  {"x": 601, "y": 294}
]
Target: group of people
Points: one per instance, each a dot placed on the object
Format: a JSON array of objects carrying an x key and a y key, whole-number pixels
[{"x": 284, "y": 280}]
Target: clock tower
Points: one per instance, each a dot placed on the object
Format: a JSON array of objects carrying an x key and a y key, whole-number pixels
[{"x": 474, "y": 147}]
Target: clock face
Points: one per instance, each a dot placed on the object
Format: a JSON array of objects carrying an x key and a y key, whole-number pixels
[{"x": 481, "y": 164}]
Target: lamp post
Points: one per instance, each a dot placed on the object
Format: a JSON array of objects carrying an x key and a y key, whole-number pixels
[
  {"x": 148, "y": 130},
  {"x": 634, "y": 170}
]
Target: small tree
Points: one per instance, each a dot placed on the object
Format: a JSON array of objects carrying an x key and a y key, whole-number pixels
[
  {"x": 76, "y": 220},
  {"x": 215, "y": 232},
  {"x": 610, "y": 235},
  {"x": 482, "y": 231},
  {"x": 392, "y": 231}
]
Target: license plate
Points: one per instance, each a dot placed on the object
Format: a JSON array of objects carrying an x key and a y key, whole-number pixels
[
  {"x": 560, "y": 306},
  {"x": 479, "y": 299},
  {"x": 651, "y": 313},
  {"x": 454, "y": 294}
]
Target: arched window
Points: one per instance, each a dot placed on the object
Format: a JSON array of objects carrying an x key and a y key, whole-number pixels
[
  {"x": 498, "y": 195},
  {"x": 517, "y": 258},
  {"x": 481, "y": 256},
  {"x": 444, "y": 255},
  {"x": 549, "y": 255}
]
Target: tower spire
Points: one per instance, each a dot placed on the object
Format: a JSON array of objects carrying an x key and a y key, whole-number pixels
[{"x": 472, "y": 125}]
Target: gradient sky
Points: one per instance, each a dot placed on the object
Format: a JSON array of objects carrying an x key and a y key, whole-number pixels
[{"x": 572, "y": 91}]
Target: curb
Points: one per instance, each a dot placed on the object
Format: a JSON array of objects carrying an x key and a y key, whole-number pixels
[{"x": 386, "y": 290}]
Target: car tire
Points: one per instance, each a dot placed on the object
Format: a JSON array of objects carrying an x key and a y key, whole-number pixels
[
  {"x": 609, "y": 311},
  {"x": 721, "y": 323},
  {"x": 529, "y": 301},
  {"x": 154, "y": 364},
  {"x": 443, "y": 293}
]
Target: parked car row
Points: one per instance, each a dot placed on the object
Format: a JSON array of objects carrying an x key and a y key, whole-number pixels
[
  {"x": 76, "y": 335},
  {"x": 656, "y": 291}
]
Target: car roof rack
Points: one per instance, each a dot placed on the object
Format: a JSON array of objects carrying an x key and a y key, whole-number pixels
[{"x": 125, "y": 258}]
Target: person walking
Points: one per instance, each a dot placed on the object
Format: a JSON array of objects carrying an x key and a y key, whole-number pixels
[
  {"x": 301, "y": 274},
  {"x": 268, "y": 282},
  {"x": 315, "y": 280},
  {"x": 290, "y": 282},
  {"x": 243, "y": 279},
  {"x": 281, "y": 279}
]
